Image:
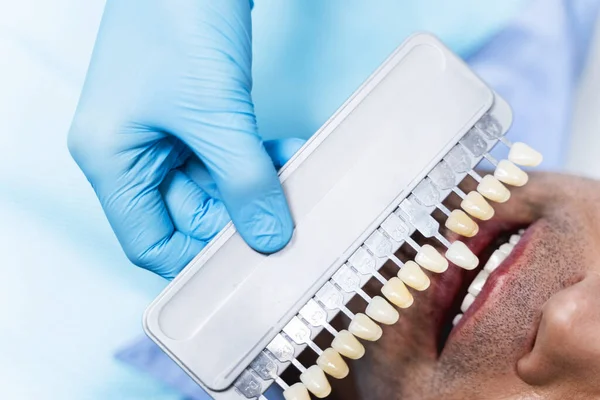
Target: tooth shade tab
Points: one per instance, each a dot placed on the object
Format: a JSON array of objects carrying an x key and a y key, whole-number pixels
[
  {"x": 459, "y": 222},
  {"x": 467, "y": 302},
  {"x": 316, "y": 382},
  {"x": 333, "y": 364},
  {"x": 492, "y": 189},
  {"x": 430, "y": 259},
  {"x": 494, "y": 262},
  {"x": 381, "y": 311},
  {"x": 363, "y": 327},
  {"x": 459, "y": 254},
  {"x": 477, "y": 206},
  {"x": 522, "y": 154},
  {"x": 396, "y": 292},
  {"x": 296, "y": 392},
  {"x": 347, "y": 345},
  {"x": 510, "y": 174},
  {"x": 412, "y": 275},
  {"x": 477, "y": 284}
]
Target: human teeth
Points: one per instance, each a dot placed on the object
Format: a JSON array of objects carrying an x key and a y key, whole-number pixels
[
  {"x": 459, "y": 222},
  {"x": 364, "y": 328},
  {"x": 506, "y": 248},
  {"x": 492, "y": 189},
  {"x": 457, "y": 319},
  {"x": 347, "y": 345},
  {"x": 296, "y": 392},
  {"x": 430, "y": 259},
  {"x": 514, "y": 239},
  {"x": 333, "y": 364},
  {"x": 509, "y": 173},
  {"x": 521, "y": 231},
  {"x": 469, "y": 299},
  {"x": 413, "y": 276},
  {"x": 522, "y": 154},
  {"x": 459, "y": 254},
  {"x": 382, "y": 311},
  {"x": 495, "y": 260},
  {"x": 397, "y": 293},
  {"x": 477, "y": 206},
  {"x": 478, "y": 282},
  {"x": 316, "y": 382}
]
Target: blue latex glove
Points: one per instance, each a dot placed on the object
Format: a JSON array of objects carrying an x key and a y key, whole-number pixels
[{"x": 166, "y": 134}]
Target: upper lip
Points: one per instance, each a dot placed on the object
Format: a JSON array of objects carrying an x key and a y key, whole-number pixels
[
  {"x": 483, "y": 247},
  {"x": 452, "y": 288}
]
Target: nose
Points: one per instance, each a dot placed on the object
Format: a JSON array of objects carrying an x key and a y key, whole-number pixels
[{"x": 567, "y": 344}]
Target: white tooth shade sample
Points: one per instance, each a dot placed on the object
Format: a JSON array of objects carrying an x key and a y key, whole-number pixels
[
  {"x": 459, "y": 254},
  {"x": 296, "y": 392},
  {"x": 333, "y": 364},
  {"x": 492, "y": 189},
  {"x": 522, "y": 154},
  {"x": 459, "y": 222},
  {"x": 477, "y": 206},
  {"x": 413, "y": 276},
  {"x": 396, "y": 292},
  {"x": 430, "y": 259},
  {"x": 316, "y": 382},
  {"x": 467, "y": 302},
  {"x": 347, "y": 345},
  {"x": 381, "y": 311},
  {"x": 478, "y": 282},
  {"x": 510, "y": 174},
  {"x": 363, "y": 327},
  {"x": 494, "y": 262}
]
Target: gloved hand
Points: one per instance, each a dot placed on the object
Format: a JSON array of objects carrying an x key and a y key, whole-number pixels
[{"x": 166, "y": 134}]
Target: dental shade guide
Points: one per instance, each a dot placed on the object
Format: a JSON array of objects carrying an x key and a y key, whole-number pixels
[{"x": 358, "y": 190}]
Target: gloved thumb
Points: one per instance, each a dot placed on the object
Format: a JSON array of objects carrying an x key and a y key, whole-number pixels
[
  {"x": 246, "y": 179},
  {"x": 214, "y": 116}
]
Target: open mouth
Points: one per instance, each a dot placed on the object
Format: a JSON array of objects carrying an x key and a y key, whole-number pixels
[{"x": 495, "y": 247}]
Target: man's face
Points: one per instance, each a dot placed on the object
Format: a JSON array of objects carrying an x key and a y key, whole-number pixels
[{"x": 533, "y": 332}]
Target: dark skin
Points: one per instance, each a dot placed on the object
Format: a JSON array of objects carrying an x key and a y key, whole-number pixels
[{"x": 533, "y": 332}]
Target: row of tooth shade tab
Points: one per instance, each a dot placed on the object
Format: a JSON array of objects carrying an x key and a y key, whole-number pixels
[{"x": 411, "y": 275}]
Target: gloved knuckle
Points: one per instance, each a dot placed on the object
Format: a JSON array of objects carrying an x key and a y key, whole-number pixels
[
  {"x": 198, "y": 220},
  {"x": 91, "y": 140},
  {"x": 76, "y": 142},
  {"x": 140, "y": 257}
]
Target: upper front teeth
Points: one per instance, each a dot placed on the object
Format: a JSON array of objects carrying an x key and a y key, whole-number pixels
[
  {"x": 506, "y": 248},
  {"x": 494, "y": 262},
  {"x": 514, "y": 239},
  {"x": 469, "y": 299},
  {"x": 478, "y": 282}
]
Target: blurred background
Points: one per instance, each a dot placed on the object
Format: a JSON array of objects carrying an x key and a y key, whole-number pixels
[{"x": 70, "y": 300}]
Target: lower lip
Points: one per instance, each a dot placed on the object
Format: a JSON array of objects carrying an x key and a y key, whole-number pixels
[{"x": 495, "y": 280}]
